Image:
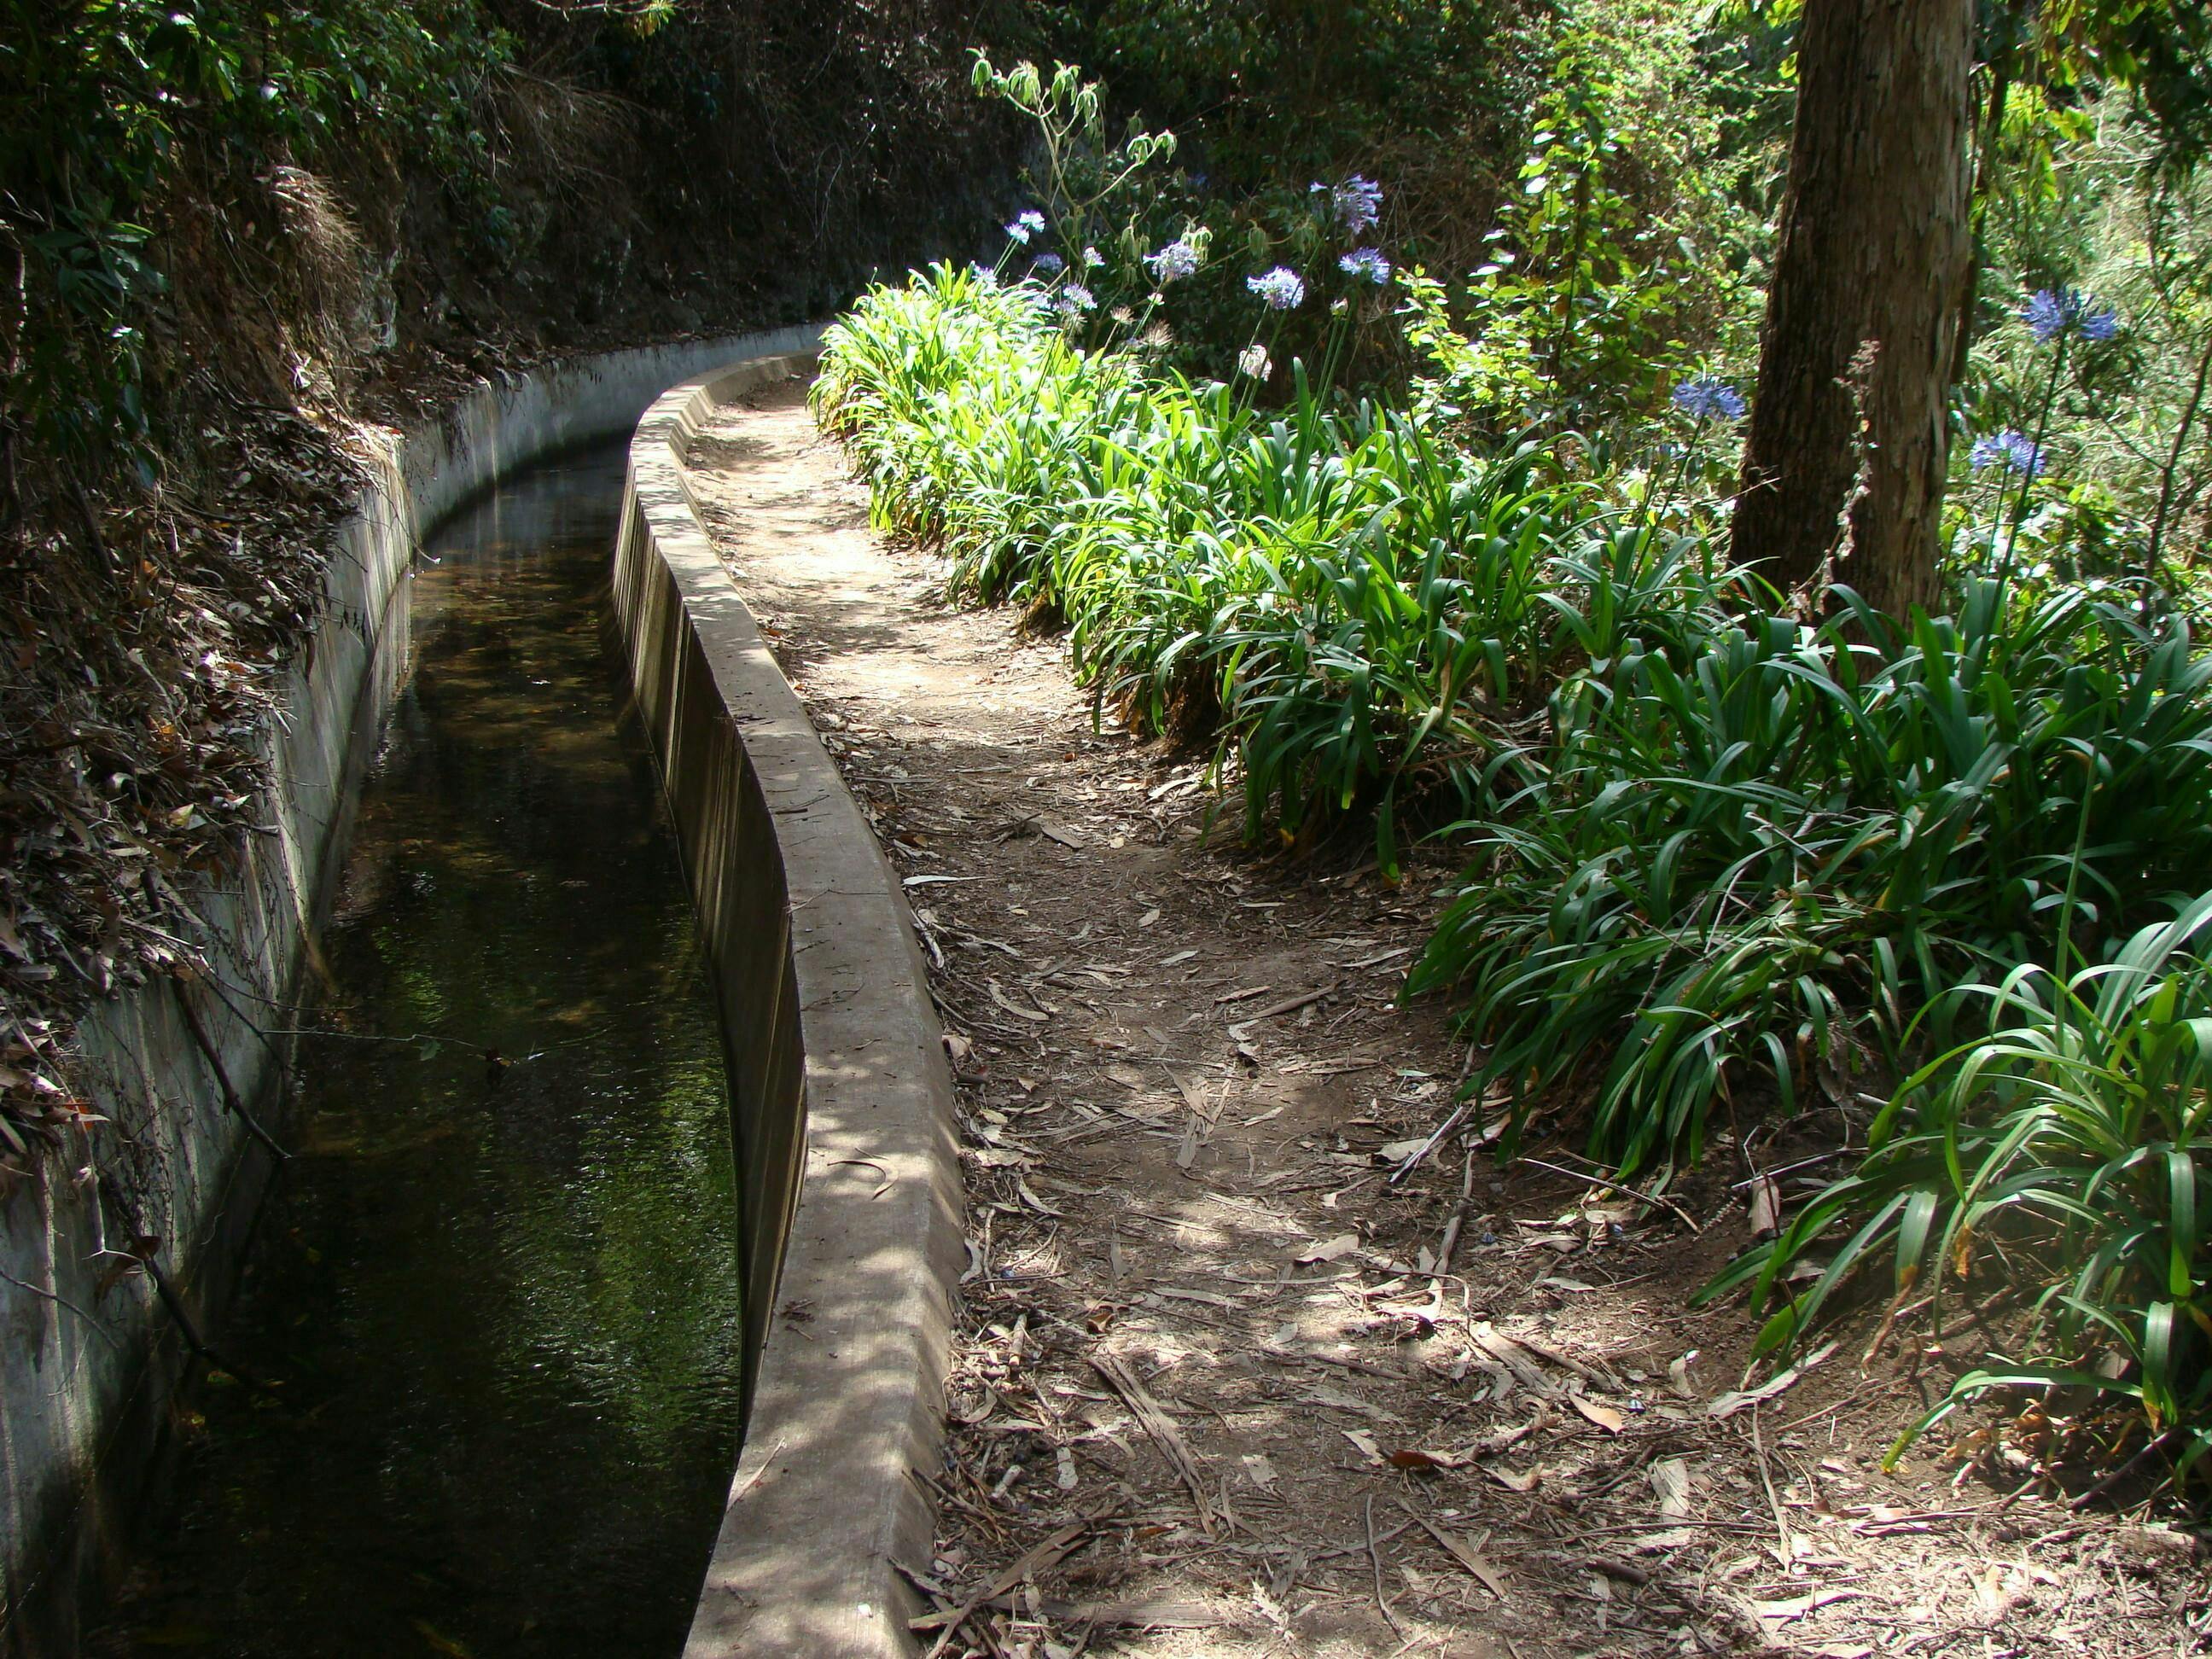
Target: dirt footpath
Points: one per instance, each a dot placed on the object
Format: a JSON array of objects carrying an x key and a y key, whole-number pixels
[{"x": 1249, "y": 1360}]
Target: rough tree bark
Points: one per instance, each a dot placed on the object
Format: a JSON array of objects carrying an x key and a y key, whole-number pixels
[{"x": 1844, "y": 467}]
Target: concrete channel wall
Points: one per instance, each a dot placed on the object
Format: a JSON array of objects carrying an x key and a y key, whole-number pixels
[
  {"x": 88, "y": 1360},
  {"x": 839, "y": 1082}
]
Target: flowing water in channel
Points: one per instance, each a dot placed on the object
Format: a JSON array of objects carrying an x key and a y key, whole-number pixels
[{"x": 496, "y": 1304}]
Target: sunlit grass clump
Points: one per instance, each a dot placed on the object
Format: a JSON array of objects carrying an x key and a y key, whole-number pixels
[
  {"x": 1356, "y": 607},
  {"x": 2065, "y": 1149}
]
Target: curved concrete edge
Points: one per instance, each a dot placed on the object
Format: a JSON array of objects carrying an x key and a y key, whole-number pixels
[
  {"x": 840, "y": 1091},
  {"x": 87, "y": 1368}
]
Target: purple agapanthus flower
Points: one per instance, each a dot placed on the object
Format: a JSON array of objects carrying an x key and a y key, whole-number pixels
[
  {"x": 2023, "y": 454},
  {"x": 2014, "y": 451},
  {"x": 1707, "y": 397},
  {"x": 1026, "y": 225},
  {"x": 1074, "y": 299},
  {"x": 1367, "y": 263},
  {"x": 1357, "y": 202},
  {"x": 1283, "y": 288},
  {"x": 1047, "y": 266},
  {"x": 1177, "y": 259},
  {"x": 2052, "y": 313}
]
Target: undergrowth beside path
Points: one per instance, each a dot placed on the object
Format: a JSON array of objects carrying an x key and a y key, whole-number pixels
[
  {"x": 1248, "y": 1358},
  {"x": 1719, "y": 855}
]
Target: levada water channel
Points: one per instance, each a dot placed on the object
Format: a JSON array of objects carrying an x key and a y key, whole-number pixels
[{"x": 491, "y": 1313}]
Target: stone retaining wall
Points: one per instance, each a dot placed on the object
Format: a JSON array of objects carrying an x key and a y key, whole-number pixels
[{"x": 840, "y": 1087}]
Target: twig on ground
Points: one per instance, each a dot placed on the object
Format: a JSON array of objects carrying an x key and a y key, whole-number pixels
[
  {"x": 1161, "y": 1429},
  {"x": 1598, "y": 1179},
  {"x": 1375, "y": 1561},
  {"x": 767, "y": 1463},
  {"x": 2151, "y": 1448},
  {"x": 1789, "y": 1551},
  {"x": 1430, "y": 1144},
  {"x": 1450, "y": 1240},
  {"x": 1044, "y": 1553}
]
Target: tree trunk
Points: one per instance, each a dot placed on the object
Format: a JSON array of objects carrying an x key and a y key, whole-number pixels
[
  {"x": 1843, "y": 468},
  {"x": 1977, "y": 213}
]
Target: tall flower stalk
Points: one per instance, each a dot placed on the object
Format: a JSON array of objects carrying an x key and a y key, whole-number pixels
[
  {"x": 1367, "y": 268},
  {"x": 1280, "y": 291},
  {"x": 1704, "y": 399},
  {"x": 2055, "y": 317}
]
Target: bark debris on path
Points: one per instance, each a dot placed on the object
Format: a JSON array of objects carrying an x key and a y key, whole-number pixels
[{"x": 1247, "y": 1361}]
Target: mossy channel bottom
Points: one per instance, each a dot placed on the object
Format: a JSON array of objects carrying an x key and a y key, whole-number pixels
[{"x": 494, "y": 1302}]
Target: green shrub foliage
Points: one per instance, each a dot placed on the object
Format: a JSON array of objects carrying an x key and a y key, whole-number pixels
[{"x": 1720, "y": 853}]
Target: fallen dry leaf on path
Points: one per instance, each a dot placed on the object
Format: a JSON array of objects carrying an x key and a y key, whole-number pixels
[
  {"x": 1678, "y": 1375},
  {"x": 1036, "y": 1015},
  {"x": 1469, "y": 1556},
  {"x": 1670, "y": 1480},
  {"x": 1735, "y": 1399},
  {"x": 1604, "y": 1416},
  {"x": 1766, "y": 1207}
]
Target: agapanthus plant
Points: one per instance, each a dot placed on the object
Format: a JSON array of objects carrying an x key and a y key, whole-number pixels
[
  {"x": 1357, "y": 204},
  {"x": 1026, "y": 225},
  {"x": 1367, "y": 264},
  {"x": 2051, "y": 313},
  {"x": 2055, "y": 316},
  {"x": 1704, "y": 399},
  {"x": 1707, "y": 397},
  {"x": 1281, "y": 289},
  {"x": 2012, "y": 450},
  {"x": 1177, "y": 260}
]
